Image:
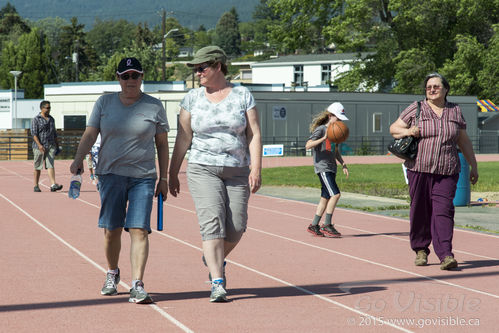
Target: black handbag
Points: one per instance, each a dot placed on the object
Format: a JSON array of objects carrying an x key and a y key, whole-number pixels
[{"x": 406, "y": 147}]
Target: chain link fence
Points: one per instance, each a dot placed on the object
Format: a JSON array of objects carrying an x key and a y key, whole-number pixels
[{"x": 17, "y": 145}]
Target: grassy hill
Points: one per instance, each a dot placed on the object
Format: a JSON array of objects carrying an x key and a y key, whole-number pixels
[{"x": 190, "y": 13}]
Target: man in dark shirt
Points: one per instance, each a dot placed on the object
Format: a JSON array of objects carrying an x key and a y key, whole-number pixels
[{"x": 45, "y": 145}]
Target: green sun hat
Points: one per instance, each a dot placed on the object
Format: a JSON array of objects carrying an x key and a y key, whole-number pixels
[{"x": 210, "y": 53}]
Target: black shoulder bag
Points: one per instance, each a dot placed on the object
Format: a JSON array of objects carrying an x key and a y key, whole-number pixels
[{"x": 406, "y": 147}]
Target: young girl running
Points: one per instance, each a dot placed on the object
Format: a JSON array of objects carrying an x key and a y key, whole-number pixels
[{"x": 325, "y": 154}]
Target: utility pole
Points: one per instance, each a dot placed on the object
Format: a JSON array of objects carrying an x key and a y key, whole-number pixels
[
  {"x": 163, "y": 46},
  {"x": 76, "y": 59}
]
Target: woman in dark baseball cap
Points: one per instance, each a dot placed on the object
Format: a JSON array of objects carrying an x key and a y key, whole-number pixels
[
  {"x": 134, "y": 130},
  {"x": 129, "y": 64}
]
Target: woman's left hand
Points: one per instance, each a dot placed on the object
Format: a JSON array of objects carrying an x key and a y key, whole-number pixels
[
  {"x": 345, "y": 171},
  {"x": 473, "y": 175},
  {"x": 255, "y": 180}
]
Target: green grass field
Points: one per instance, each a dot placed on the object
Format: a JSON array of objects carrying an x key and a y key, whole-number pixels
[{"x": 385, "y": 180}]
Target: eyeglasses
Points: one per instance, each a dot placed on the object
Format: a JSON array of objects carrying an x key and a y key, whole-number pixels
[
  {"x": 428, "y": 88},
  {"x": 126, "y": 76},
  {"x": 200, "y": 69}
]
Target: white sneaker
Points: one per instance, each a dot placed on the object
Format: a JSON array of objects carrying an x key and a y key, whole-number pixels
[
  {"x": 218, "y": 293},
  {"x": 111, "y": 285}
]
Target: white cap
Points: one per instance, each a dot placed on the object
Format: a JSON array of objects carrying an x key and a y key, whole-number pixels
[{"x": 338, "y": 110}]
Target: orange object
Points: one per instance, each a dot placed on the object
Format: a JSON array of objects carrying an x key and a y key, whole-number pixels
[{"x": 338, "y": 132}]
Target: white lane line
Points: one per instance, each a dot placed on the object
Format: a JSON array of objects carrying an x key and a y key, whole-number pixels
[
  {"x": 377, "y": 264},
  {"x": 96, "y": 265},
  {"x": 336, "y": 252},
  {"x": 369, "y": 232},
  {"x": 390, "y": 218},
  {"x": 305, "y": 291},
  {"x": 348, "y": 256}
]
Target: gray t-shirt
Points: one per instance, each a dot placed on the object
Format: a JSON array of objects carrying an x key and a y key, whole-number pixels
[
  {"x": 127, "y": 135},
  {"x": 323, "y": 154},
  {"x": 219, "y": 129}
]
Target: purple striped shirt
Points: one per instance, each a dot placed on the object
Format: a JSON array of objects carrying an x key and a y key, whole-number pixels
[{"x": 437, "y": 150}]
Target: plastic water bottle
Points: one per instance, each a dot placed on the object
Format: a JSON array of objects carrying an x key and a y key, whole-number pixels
[{"x": 74, "y": 186}]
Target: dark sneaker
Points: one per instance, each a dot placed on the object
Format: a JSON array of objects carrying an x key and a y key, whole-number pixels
[
  {"x": 138, "y": 294},
  {"x": 55, "y": 187},
  {"x": 448, "y": 263},
  {"x": 37, "y": 189},
  {"x": 218, "y": 293},
  {"x": 421, "y": 258},
  {"x": 330, "y": 231},
  {"x": 209, "y": 274},
  {"x": 315, "y": 230},
  {"x": 111, "y": 284}
]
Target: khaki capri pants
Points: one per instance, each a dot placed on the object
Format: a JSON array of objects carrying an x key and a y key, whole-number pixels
[{"x": 221, "y": 197}]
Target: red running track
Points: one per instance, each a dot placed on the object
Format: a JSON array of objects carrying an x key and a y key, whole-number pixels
[{"x": 280, "y": 278}]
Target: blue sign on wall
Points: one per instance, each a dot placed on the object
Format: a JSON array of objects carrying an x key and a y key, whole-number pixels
[{"x": 273, "y": 150}]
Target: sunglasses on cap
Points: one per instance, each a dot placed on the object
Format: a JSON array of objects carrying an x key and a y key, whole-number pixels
[
  {"x": 126, "y": 76},
  {"x": 201, "y": 69}
]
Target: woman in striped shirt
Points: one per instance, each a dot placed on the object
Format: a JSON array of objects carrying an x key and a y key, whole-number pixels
[{"x": 433, "y": 174}]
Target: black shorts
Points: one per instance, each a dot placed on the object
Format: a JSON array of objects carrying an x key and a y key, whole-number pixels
[{"x": 328, "y": 182}]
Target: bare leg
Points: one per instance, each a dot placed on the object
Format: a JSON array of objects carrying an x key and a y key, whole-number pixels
[
  {"x": 213, "y": 250},
  {"x": 112, "y": 247},
  {"x": 321, "y": 206},
  {"x": 228, "y": 247},
  {"x": 51, "y": 172},
  {"x": 37, "y": 177},
  {"x": 139, "y": 252},
  {"x": 331, "y": 204}
]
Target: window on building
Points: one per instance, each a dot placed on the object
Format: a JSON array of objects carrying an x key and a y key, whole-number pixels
[
  {"x": 377, "y": 122},
  {"x": 326, "y": 74},
  {"x": 298, "y": 77},
  {"x": 246, "y": 74},
  {"x": 75, "y": 122}
]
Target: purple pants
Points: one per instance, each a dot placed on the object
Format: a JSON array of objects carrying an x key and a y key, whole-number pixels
[{"x": 432, "y": 212}]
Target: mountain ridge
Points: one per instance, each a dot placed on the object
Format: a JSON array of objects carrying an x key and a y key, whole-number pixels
[{"x": 206, "y": 13}]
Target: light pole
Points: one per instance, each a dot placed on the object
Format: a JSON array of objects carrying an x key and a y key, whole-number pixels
[
  {"x": 76, "y": 59},
  {"x": 14, "y": 117},
  {"x": 164, "y": 52}
]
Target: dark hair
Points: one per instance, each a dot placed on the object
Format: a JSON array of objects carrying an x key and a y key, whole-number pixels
[
  {"x": 223, "y": 66},
  {"x": 43, "y": 103},
  {"x": 442, "y": 78}
]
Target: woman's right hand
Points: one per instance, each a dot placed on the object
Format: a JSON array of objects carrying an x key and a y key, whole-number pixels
[
  {"x": 75, "y": 166},
  {"x": 414, "y": 131}
]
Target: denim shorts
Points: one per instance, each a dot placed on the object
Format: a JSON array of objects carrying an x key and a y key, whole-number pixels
[
  {"x": 329, "y": 187},
  {"x": 115, "y": 192}
]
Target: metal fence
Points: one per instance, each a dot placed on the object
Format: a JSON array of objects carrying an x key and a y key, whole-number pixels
[
  {"x": 371, "y": 145},
  {"x": 488, "y": 142},
  {"x": 18, "y": 147}
]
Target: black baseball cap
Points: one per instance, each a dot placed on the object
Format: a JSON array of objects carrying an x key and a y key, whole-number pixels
[{"x": 129, "y": 64}]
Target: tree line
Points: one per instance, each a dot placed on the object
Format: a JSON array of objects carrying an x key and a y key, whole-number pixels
[{"x": 403, "y": 40}]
